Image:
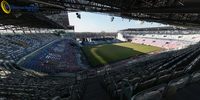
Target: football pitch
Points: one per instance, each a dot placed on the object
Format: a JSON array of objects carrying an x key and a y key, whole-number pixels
[{"x": 108, "y": 53}]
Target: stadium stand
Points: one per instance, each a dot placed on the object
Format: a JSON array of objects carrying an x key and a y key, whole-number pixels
[
  {"x": 13, "y": 47},
  {"x": 61, "y": 56},
  {"x": 169, "y": 38},
  {"x": 18, "y": 84},
  {"x": 99, "y": 41},
  {"x": 159, "y": 76},
  {"x": 157, "y": 80},
  {"x": 163, "y": 43},
  {"x": 58, "y": 55}
]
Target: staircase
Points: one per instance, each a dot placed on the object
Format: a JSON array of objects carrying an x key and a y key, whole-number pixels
[{"x": 94, "y": 90}]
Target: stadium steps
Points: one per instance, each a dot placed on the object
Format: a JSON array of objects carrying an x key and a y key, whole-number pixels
[
  {"x": 94, "y": 90},
  {"x": 190, "y": 92}
]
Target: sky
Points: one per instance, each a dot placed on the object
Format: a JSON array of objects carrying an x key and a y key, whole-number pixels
[{"x": 93, "y": 22}]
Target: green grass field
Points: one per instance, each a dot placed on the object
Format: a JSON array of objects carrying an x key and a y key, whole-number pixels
[{"x": 103, "y": 54}]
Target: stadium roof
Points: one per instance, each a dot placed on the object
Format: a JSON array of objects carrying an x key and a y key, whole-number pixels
[
  {"x": 173, "y": 12},
  {"x": 159, "y": 28},
  {"x": 29, "y": 20},
  {"x": 29, "y": 14}
]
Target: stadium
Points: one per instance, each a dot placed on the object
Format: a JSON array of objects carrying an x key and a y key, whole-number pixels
[{"x": 43, "y": 57}]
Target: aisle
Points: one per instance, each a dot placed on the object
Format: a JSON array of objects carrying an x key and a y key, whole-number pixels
[{"x": 94, "y": 91}]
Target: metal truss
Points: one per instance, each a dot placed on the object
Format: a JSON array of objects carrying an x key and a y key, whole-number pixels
[
  {"x": 120, "y": 6},
  {"x": 175, "y": 12}
]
